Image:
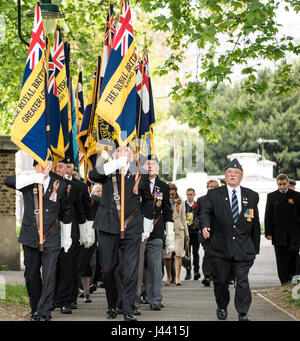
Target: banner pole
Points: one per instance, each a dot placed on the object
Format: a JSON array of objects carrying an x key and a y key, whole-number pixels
[
  {"x": 122, "y": 230},
  {"x": 41, "y": 230}
]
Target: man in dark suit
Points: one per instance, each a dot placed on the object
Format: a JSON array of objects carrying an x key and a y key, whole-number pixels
[
  {"x": 230, "y": 218},
  {"x": 68, "y": 263},
  {"x": 190, "y": 209},
  {"x": 138, "y": 204},
  {"x": 57, "y": 234},
  {"x": 154, "y": 244},
  {"x": 206, "y": 262},
  {"x": 282, "y": 226}
]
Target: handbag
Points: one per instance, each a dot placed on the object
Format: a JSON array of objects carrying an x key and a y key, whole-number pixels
[{"x": 186, "y": 259}]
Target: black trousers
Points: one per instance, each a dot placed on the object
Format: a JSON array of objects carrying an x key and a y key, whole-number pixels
[
  {"x": 222, "y": 269},
  {"x": 195, "y": 244},
  {"x": 286, "y": 262},
  {"x": 41, "y": 289},
  {"x": 110, "y": 245},
  {"x": 207, "y": 266},
  {"x": 63, "y": 278}
]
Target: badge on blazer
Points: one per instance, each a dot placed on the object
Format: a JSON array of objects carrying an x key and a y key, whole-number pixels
[
  {"x": 159, "y": 199},
  {"x": 245, "y": 201},
  {"x": 291, "y": 201},
  {"x": 249, "y": 214}
]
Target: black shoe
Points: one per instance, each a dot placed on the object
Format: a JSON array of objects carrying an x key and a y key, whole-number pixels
[
  {"x": 221, "y": 314},
  {"x": 54, "y": 306},
  {"x": 161, "y": 305},
  {"x": 65, "y": 310},
  {"x": 35, "y": 317},
  {"x": 144, "y": 299},
  {"x": 154, "y": 307},
  {"x": 206, "y": 282},
  {"x": 73, "y": 305},
  {"x": 197, "y": 276},
  {"x": 93, "y": 288},
  {"x": 87, "y": 299},
  {"x": 119, "y": 311},
  {"x": 137, "y": 312},
  {"x": 129, "y": 317},
  {"x": 111, "y": 314},
  {"x": 46, "y": 317},
  {"x": 188, "y": 276},
  {"x": 81, "y": 295},
  {"x": 243, "y": 317}
]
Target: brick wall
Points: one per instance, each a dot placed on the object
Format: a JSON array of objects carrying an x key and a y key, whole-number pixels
[{"x": 7, "y": 195}]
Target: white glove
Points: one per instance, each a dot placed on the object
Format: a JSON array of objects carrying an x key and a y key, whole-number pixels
[
  {"x": 148, "y": 228},
  {"x": 23, "y": 180},
  {"x": 90, "y": 234},
  {"x": 65, "y": 235},
  {"x": 170, "y": 234},
  {"x": 83, "y": 233},
  {"x": 111, "y": 166}
]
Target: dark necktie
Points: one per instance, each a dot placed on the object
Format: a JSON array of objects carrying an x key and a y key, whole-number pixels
[{"x": 235, "y": 206}]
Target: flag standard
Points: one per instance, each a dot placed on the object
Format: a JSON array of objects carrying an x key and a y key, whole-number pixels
[
  {"x": 29, "y": 128},
  {"x": 117, "y": 104}
]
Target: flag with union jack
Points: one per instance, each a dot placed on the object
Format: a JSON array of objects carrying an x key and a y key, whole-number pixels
[
  {"x": 29, "y": 128},
  {"x": 145, "y": 118},
  {"x": 58, "y": 56},
  {"x": 117, "y": 104}
]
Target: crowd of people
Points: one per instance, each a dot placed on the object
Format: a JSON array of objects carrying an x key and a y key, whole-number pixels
[{"x": 83, "y": 247}]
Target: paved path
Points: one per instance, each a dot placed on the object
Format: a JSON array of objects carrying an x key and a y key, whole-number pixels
[{"x": 189, "y": 302}]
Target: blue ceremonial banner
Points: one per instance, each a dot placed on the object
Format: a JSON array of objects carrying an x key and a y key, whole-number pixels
[
  {"x": 117, "y": 104},
  {"x": 59, "y": 62},
  {"x": 29, "y": 128},
  {"x": 145, "y": 118}
]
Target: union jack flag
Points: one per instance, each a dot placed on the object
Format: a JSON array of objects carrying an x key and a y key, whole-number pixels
[
  {"x": 58, "y": 51},
  {"x": 52, "y": 82},
  {"x": 37, "y": 42},
  {"x": 110, "y": 30},
  {"x": 124, "y": 35}
]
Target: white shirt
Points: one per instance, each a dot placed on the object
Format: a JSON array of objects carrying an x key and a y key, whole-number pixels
[
  {"x": 152, "y": 182},
  {"x": 190, "y": 203},
  {"x": 238, "y": 194},
  {"x": 46, "y": 184}
]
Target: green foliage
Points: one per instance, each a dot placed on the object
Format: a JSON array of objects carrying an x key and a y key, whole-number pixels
[
  {"x": 228, "y": 33},
  {"x": 272, "y": 117}
]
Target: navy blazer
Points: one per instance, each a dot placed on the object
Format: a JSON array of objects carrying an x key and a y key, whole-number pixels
[
  {"x": 59, "y": 210},
  {"x": 240, "y": 240}
]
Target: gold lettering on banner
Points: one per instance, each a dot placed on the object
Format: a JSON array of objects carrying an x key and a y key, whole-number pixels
[
  {"x": 40, "y": 78},
  {"x": 123, "y": 81}
]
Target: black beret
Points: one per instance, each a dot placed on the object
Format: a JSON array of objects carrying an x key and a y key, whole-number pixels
[
  {"x": 153, "y": 157},
  {"x": 292, "y": 182},
  {"x": 50, "y": 158},
  {"x": 234, "y": 164}
]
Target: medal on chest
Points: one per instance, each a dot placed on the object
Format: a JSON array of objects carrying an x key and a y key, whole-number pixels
[{"x": 249, "y": 214}]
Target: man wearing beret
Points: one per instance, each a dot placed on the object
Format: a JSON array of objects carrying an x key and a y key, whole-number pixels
[
  {"x": 230, "y": 218},
  {"x": 68, "y": 263},
  {"x": 56, "y": 228},
  {"x": 138, "y": 214}
]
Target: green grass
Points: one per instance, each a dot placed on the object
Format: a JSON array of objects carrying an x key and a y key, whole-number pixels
[
  {"x": 4, "y": 268},
  {"x": 15, "y": 294}
]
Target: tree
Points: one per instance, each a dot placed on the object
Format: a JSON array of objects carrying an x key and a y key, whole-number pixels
[
  {"x": 228, "y": 33},
  {"x": 275, "y": 117}
]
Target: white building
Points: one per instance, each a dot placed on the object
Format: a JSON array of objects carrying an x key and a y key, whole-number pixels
[{"x": 258, "y": 176}]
